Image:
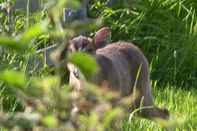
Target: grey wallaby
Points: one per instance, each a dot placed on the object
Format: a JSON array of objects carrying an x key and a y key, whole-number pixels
[{"x": 123, "y": 67}]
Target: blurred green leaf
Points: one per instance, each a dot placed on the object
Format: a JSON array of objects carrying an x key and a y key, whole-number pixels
[
  {"x": 13, "y": 78},
  {"x": 50, "y": 121},
  {"x": 111, "y": 115},
  {"x": 11, "y": 42},
  {"x": 34, "y": 31},
  {"x": 71, "y": 4},
  {"x": 85, "y": 62},
  {"x": 46, "y": 83}
]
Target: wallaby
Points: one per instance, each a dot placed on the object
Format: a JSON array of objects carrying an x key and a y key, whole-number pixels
[{"x": 123, "y": 67}]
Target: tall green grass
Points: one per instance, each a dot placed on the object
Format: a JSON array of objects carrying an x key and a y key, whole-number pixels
[{"x": 164, "y": 29}]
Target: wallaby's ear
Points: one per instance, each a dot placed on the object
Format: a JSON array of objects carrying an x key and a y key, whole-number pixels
[{"x": 102, "y": 37}]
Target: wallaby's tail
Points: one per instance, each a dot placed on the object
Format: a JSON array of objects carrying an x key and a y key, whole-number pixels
[
  {"x": 154, "y": 113},
  {"x": 146, "y": 108}
]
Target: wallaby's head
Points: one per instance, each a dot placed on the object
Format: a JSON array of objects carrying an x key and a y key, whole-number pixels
[
  {"x": 83, "y": 44},
  {"x": 90, "y": 45}
]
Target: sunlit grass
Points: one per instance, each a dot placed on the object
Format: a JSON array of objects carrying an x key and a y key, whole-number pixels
[{"x": 182, "y": 105}]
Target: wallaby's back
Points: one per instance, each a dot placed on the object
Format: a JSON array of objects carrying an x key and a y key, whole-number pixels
[
  {"x": 119, "y": 63},
  {"x": 123, "y": 67}
]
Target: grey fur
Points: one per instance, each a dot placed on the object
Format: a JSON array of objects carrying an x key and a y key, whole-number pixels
[{"x": 120, "y": 63}]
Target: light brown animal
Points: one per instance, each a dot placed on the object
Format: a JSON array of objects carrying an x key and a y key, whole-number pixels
[{"x": 123, "y": 67}]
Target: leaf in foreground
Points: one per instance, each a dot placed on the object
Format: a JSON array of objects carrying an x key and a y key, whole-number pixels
[
  {"x": 11, "y": 43},
  {"x": 13, "y": 78},
  {"x": 86, "y": 63},
  {"x": 34, "y": 31}
]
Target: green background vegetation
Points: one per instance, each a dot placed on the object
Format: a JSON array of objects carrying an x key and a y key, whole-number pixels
[{"x": 165, "y": 30}]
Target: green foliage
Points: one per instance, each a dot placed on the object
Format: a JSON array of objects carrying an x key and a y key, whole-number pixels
[
  {"x": 86, "y": 63},
  {"x": 164, "y": 30},
  {"x": 44, "y": 101},
  {"x": 13, "y": 78},
  {"x": 21, "y": 42},
  {"x": 12, "y": 43},
  {"x": 34, "y": 32},
  {"x": 50, "y": 121}
]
